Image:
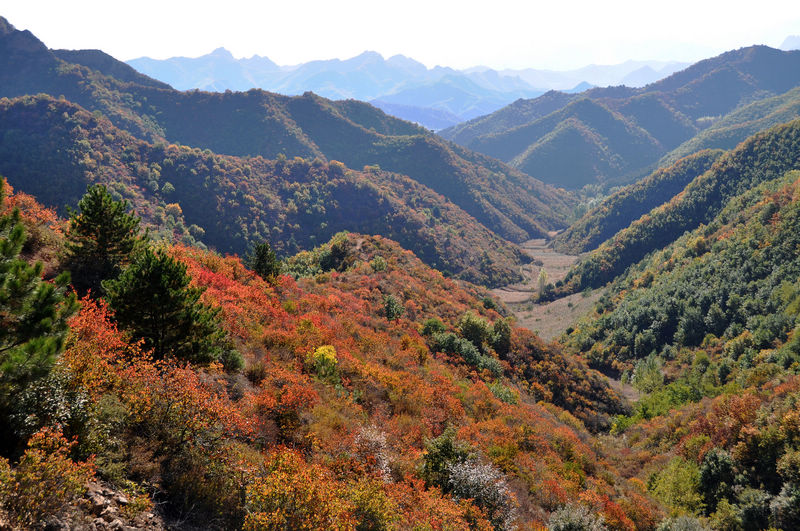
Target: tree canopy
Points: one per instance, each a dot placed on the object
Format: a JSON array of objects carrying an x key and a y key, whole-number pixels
[
  {"x": 153, "y": 299},
  {"x": 101, "y": 238}
]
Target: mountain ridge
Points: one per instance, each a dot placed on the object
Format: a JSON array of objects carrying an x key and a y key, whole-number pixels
[
  {"x": 398, "y": 80},
  {"x": 671, "y": 111},
  {"x": 257, "y": 123}
]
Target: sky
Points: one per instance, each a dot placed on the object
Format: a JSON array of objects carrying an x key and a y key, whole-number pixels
[{"x": 553, "y": 34}]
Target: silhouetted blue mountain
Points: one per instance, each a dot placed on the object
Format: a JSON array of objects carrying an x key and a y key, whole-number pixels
[
  {"x": 399, "y": 80},
  {"x": 791, "y": 42}
]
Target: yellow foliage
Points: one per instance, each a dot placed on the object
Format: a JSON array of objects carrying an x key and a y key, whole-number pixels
[{"x": 45, "y": 479}]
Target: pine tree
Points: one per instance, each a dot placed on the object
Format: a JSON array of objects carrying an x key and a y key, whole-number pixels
[
  {"x": 153, "y": 299},
  {"x": 264, "y": 261},
  {"x": 33, "y": 314},
  {"x": 102, "y": 238}
]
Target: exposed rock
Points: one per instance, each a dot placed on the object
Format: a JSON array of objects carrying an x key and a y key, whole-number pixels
[
  {"x": 109, "y": 514},
  {"x": 121, "y": 499},
  {"x": 97, "y": 501}
]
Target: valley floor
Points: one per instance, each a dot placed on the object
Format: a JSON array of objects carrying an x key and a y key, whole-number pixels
[{"x": 548, "y": 320}]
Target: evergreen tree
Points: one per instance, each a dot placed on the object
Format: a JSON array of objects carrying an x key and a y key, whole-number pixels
[
  {"x": 33, "y": 315},
  {"x": 102, "y": 238},
  {"x": 152, "y": 298},
  {"x": 392, "y": 308},
  {"x": 264, "y": 261}
]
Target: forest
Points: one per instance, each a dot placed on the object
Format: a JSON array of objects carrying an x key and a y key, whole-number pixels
[{"x": 245, "y": 310}]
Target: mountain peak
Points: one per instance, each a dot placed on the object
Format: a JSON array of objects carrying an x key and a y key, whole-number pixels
[
  {"x": 24, "y": 41},
  {"x": 792, "y": 42},
  {"x": 580, "y": 87},
  {"x": 366, "y": 57},
  {"x": 221, "y": 52},
  {"x": 369, "y": 54},
  {"x": 6, "y": 27}
]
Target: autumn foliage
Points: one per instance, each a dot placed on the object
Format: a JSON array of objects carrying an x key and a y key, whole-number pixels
[{"x": 329, "y": 422}]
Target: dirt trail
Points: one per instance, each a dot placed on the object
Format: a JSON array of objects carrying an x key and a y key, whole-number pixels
[{"x": 548, "y": 320}]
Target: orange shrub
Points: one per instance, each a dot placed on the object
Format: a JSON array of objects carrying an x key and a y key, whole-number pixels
[{"x": 45, "y": 480}]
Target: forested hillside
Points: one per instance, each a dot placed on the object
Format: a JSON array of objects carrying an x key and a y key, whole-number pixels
[
  {"x": 600, "y": 142},
  {"x": 761, "y": 158},
  {"x": 369, "y": 392},
  {"x": 54, "y": 149},
  {"x": 661, "y": 117},
  {"x": 736, "y": 126},
  {"x": 625, "y": 206},
  {"x": 735, "y": 275},
  {"x": 707, "y": 330},
  {"x": 258, "y": 123}
]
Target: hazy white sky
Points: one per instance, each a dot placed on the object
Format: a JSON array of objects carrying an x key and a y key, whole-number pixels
[{"x": 557, "y": 34}]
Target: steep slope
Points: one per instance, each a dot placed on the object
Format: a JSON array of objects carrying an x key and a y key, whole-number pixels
[
  {"x": 736, "y": 275},
  {"x": 761, "y": 158},
  {"x": 708, "y": 331},
  {"x": 622, "y": 208},
  {"x": 670, "y": 112},
  {"x": 342, "y": 418},
  {"x": 108, "y": 66},
  {"x": 607, "y": 145},
  {"x": 734, "y": 127},
  {"x": 723, "y": 82},
  {"x": 659, "y": 118},
  {"x": 53, "y": 149},
  {"x": 261, "y": 123},
  {"x": 514, "y": 115}
]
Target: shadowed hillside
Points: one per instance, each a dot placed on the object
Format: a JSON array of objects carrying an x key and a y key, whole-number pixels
[
  {"x": 622, "y": 208},
  {"x": 668, "y": 113},
  {"x": 253, "y": 123},
  {"x": 54, "y": 149}
]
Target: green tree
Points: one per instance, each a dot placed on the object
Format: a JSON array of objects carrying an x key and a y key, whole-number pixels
[
  {"x": 541, "y": 282},
  {"x": 647, "y": 374},
  {"x": 754, "y": 508},
  {"x": 717, "y": 477},
  {"x": 501, "y": 337},
  {"x": 33, "y": 315},
  {"x": 440, "y": 453},
  {"x": 432, "y": 326},
  {"x": 152, "y": 298},
  {"x": 677, "y": 486},
  {"x": 475, "y": 329},
  {"x": 101, "y": 239},
  {"x": 393, "y": 308},
  {"x": 264, "y": 261}
]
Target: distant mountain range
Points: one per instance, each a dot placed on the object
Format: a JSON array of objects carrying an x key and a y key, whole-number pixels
[
  {"x": 629, "y": 73},
  {"x": 456, "y": 209},
  {"x": 619, "y": 134},
  {"x": 792, "y": 42},
  {"x": 436, "y": 98}
]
